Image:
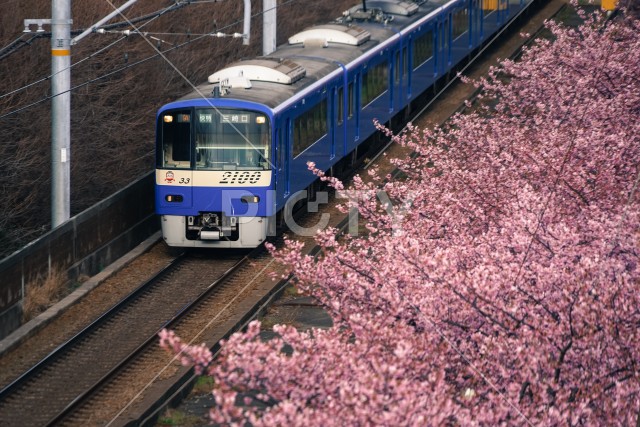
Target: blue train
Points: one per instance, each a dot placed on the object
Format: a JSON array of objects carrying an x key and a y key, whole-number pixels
[{"x": 231, "y": 154}]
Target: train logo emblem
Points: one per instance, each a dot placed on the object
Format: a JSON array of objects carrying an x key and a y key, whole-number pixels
[{"x": 169, "y": 177}]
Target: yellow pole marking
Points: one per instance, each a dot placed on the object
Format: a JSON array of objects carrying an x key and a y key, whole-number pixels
[{"x": 60, "y": 52}]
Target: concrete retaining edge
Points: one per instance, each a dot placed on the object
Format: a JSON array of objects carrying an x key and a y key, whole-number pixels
[{"x": 34, "y": 325}]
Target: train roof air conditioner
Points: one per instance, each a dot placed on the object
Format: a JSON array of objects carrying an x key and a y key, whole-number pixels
[
  {"x": 402, "y": 8},
  {"x": 263, "y": 70},
  {"x": 332, "y": 33}
]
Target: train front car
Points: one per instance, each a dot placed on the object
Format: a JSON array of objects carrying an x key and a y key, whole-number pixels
[{"x": 214, "y": 174}]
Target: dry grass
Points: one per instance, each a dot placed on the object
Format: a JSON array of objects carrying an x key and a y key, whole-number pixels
[
  {"x": 175, "y": 417},
  {"x": 42, "y": 293},
  {"x": 203, "y": 385}
]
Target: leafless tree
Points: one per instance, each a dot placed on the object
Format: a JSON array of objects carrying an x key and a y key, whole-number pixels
[{"x": 112, "y": 123}]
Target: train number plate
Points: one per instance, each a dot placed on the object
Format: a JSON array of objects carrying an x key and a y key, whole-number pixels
[{"x": 240, "y": 177}]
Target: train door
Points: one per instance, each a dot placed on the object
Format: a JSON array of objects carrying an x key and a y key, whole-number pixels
[
  {"x": 284, "y": 160},
  {"x": 279, "y": 159},
  {"x": 339, "y": 133},
  {"x": 177, "y": 154},
  {"x": 503, "y": 12},
  {"x": 391, "y": 81},
  {"x": 476, "y": 22},
  {"x": 334, "y": 117},
  {"x": 407, "y": 71},
  {"x": 350, "y": 126},
  {"x": 446, "y": 40},
  {"x": 394, "y": 79},
  {"x": 357, "y": 106},
  {"x": 438, "y": 49},
  {"x": 443, "y": 58},
  {"x": 278, "y": 169}
]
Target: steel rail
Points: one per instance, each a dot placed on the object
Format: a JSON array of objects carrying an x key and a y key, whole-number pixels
[
  {"x": 77, "y": 402},
  {"x": 267, "y": 300},
  {"x": 8, "y": 389},
  {"x": 342, "y": 226}
]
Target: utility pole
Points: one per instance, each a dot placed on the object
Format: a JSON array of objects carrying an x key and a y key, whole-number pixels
[
  {"x": 61, "y": 96},
  {"x": 61, "y": 101},
  {"x": 60, "y": 111},
  {"x": 269, "y": 26},
  {"x": 246, "y": 28}
]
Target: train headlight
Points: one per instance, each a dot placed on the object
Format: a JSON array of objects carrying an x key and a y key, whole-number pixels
[
  {"x": 168, "y": 118},
  {"x": 261, "y": 120},
  {"x": 250, "y": 199},
  {"x": 173, "y": 198}
]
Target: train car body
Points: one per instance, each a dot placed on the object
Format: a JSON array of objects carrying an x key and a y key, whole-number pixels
[{"x": 234, "y": 152}]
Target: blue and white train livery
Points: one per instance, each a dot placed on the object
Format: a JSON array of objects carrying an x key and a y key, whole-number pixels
[{"x": 231, "y": 154}]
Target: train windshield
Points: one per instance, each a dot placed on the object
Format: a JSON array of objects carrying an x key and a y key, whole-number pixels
[{"x": 215, "y": 139}]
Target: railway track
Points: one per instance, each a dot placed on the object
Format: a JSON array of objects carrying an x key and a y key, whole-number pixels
[
  {"x": 67, "y": 376},
  {"x": 114, "y": 373},
  {"x": 232, "y": 301},
  {"x": 202, "y": 296}
]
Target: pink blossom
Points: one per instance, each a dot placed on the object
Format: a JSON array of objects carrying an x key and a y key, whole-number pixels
[{"x": 510, "y": 297}]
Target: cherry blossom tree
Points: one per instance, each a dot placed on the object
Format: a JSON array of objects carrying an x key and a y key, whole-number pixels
[{"x": 500, "y": 286}]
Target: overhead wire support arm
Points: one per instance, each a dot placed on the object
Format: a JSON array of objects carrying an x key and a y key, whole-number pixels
[
  {"x": 107, "y": 18},
  {"x": 61, "y": 43},
  {"x": 246, "y": 31}
]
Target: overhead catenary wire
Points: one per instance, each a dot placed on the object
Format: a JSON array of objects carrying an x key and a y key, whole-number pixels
[
  {"x": 7, "y": 50},
  {"x": 103, "y": 76},
  {"x": 47, "y": 34},
  {"x": 193, "y": 86},
  {"x": 153, "y": 17},
  {"x": 128, "y": 66},
  {"x": 18, "y": 44},
  {"x": 152, "y": 34}
]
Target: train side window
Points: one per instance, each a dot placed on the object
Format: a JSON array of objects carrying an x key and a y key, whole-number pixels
[
  {"x": 340, "y": 106},
  {"x": 300, "y": 137},
  {"x": 489, "y": 6},
  {"x": 460, "y": 22},
  {"x": 396, "y": 68},
  {"x": 321, "y": 119},
  {"x": 375, "y": 82},
  {"x": 422, "y": 49},
  {"x": 309, "y": 128}
]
